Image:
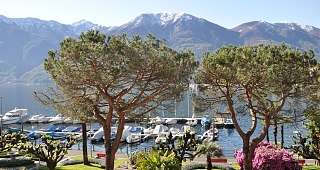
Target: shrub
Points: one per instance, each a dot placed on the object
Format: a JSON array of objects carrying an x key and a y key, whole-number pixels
[
  {"x": 135, "y": 156},
  {"x": 11, "y": 141},
  {"x": 154, "y": 160},
  {"x": 268, "y": 156},
  {"x": 50, "y": 151},
  {"x": 19, "y": 161}
]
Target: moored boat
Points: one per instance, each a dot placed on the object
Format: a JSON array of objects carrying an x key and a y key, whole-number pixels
[
  {"x": 43, "y": 119},
  {"x": 133, "y": 138},
  {"x": 148, "y": 130},
  {"x": 35, "y": 118},
  {"x": 15, "y": 116},
  {"x": 228, "y": 123},
  {"x": 72, "y": 129},
  {"x": 219, "y": 122},
  {"x": 206, "y": 120},
  {"x": 57, "y": 119},
  {"x": 211, "y": 134},
  {"x": 39, "y": 118},
  {"x": 171, "y": 121},
  {"x": 160, "y": 129},
  {"x": 158, "y": 120},
  {"x": 162, "y": 138},
  {"x": 192, "y": 122},
  {"x": 98, "y": 135},
  {"x": 174, "y": 131}
]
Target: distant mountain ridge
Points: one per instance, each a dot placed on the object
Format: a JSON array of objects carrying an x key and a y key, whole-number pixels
[{"x": 24, "y": 42}]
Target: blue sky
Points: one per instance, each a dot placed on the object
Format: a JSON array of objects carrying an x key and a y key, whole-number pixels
[{"x": 227, "y": 13}]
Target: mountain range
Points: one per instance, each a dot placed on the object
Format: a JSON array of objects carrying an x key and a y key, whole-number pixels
[{"x": 24, "y": 42}]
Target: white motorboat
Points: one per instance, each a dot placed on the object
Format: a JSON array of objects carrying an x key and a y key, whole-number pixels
[
  {"x": 43, "y": 119},
  {"x": 39, "y": 119},
  {"x": 15, "y": 116},
  {"x": 171, "y": 121},
  {"x": 193, "y": 121},
  {"x": 211, "y": 134},
  {"x": 133, "y": 138},
  {"x": 160, "y": 129},
  {"x": 174, "y": 131},
  {"x": 68, "y": 120},
  {"x": 128, "y": 130},
  {"x": 98, "y": 135},
  {"x": 57, "y": 119},
  {"x": 148, "y": 130},
  {"x": 158, "y": 120},
  {"x": 136, "y": 129},
  {"x": 162, "y": 138},
  {"x": 228, "y": 123},
  {"x": 35, "y": 118}
]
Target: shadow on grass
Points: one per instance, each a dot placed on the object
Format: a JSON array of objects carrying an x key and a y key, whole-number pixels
[{"x": 77, "y": 167}]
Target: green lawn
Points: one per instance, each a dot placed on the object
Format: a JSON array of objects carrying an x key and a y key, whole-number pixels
[
  {"x": 118, "y": 162},
  {"x": 310, "y": 167},
  {"x": 77, "y": 167}
]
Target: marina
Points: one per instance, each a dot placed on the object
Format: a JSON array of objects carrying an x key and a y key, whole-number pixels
[
  {"x": 141, "y": 135},
  {"x": 155, "y": 131}
]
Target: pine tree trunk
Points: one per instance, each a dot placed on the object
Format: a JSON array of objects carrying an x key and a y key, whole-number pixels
[
  {"x": 247, "y": 161},
  {"x": 282, "y": 138},
  {"x": 268, "y": 140},
  {"x": 275, "y": 132},
  {"x": 84, "y": 144},
  {"x": 109, "y": 157},
  {"x": 248, "y": 155}
]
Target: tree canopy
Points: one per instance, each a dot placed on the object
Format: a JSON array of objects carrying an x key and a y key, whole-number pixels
[
  {"x": 118, "y": 76},
  {"x": 257, "y": 80}
]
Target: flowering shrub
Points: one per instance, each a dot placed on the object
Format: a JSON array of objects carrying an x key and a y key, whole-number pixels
[{"x": 268, "y": 156}]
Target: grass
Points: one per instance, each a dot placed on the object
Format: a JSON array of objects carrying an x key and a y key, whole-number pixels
[
  {"x": 118, "y": 162},
  {"x": 77, "y": 167},
  {"x": 310, "y": 167},
  {"x": 235, "y": 166},
  {"x": 76, "y": 157}
]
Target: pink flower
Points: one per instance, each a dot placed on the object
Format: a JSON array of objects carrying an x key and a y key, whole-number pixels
[{"x": 268, "y": 156}]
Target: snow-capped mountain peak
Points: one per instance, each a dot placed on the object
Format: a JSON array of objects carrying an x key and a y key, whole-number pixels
[
  {"x": 166, "y": 18},
  {"x": 83, "y": 22},
  {"x": 308, "y": 28},
  {"x": 160, "y": 18}
]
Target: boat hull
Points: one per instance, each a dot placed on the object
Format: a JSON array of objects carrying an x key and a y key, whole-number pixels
[
  {"x": 10, "y": 121},
  {"x": 229, "y": 126},
  {"x": 13, "y": 121}
]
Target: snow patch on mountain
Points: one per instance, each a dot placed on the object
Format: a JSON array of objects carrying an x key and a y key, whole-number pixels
[{"x": 159, "y": 19}]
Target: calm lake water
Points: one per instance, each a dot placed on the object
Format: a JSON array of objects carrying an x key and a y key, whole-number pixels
[{"x": 21, "y": 96}]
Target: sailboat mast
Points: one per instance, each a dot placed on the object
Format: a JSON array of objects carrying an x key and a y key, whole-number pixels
[
  {"x": 188, "y": 93},
  {"x": 175, "y": 108}
]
